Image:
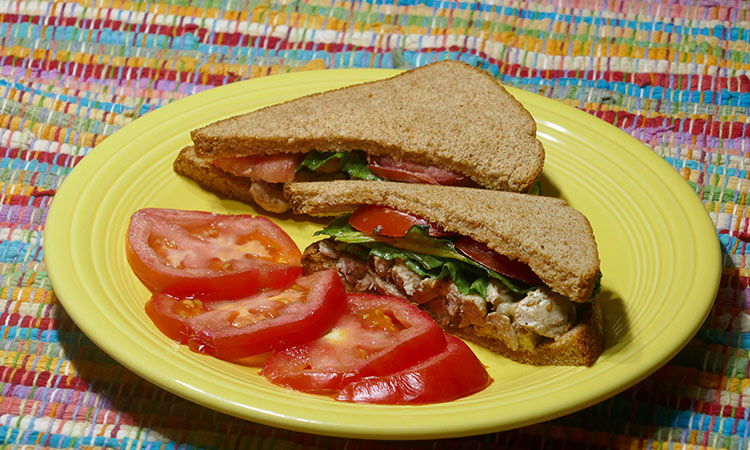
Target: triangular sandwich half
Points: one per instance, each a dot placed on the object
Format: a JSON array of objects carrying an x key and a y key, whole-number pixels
[
  {"x": 516, "y": 273},
  {"x": 443, "y": 123}
]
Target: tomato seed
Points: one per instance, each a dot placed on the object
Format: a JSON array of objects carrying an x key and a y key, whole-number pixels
[{"x": 378, "y": 319}]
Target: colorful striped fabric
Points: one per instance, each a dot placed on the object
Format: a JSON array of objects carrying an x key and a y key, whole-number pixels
[{"x": 675, "y": 74}]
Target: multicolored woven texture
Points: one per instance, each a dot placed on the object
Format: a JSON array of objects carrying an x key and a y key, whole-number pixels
[{"x": 673, "y": 73}]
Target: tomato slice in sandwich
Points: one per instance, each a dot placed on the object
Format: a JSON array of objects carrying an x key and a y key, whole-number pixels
[
  {"x": 501, "y": 264},
  {"x": 375, "y": 335},
  {"x": 410, "y": 172},
  {"x": 209, "y": 256},
  {"x": 235, "y": 329},
  {"x": 384, "y": 221},
  {"x": 279, "y": 168},
  {"x": 453, "y": 373}
]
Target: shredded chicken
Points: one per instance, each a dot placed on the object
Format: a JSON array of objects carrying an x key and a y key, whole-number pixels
[
  {"x": 419, "y": 289},
  {"x": 545, "y": 312},
  {"x": 356, "y": 274},
  {"x": 270, "y": 196}
]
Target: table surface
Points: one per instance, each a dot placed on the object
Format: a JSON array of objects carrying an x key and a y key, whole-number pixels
[{"x": 673, "y": 74}]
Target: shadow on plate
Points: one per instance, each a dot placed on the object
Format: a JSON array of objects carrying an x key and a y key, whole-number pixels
[
  {"x": 549, "y": 189},
  {"x": 110, "y": 395},
  {"x": 616, "y": 323}
]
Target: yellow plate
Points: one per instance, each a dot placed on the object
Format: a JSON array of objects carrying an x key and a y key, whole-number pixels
[{"x": 659, "y": 250}]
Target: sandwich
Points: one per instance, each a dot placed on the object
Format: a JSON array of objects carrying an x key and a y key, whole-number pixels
[
  {"x": 443, "y": 123},
  {"x": 516, "y": 273}
]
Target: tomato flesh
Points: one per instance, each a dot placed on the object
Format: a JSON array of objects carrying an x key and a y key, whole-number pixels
[
  {"x": 375, "y": 335},
  {"x": 410, "y": 172},
  {"x": 240, "y": 328},
  {"x": 501, "y": 264},
  {"x": 389, "y": 222},
  {"x": 453, "y": 373},
  {"x": 278, "y": 168},
  {"x": 209, "y": 256},
  {"x": 383, "y": 221}
]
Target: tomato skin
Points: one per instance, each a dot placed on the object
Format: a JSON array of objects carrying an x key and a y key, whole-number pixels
[
  {"x": 410, "y": 172},
  {"x": 271, "y": 320},
  {"x": 453, "y": 373},
  {"x": 353, "y": 349},
  {"x": 389, "y": 222},
  {"x": 278, "y": 168},
  {"x": 394, "y": 174},
  {"x": 153, "y": 232},
  {"x": 164, "y": 311},
  {"x": 501, "y": 264}
]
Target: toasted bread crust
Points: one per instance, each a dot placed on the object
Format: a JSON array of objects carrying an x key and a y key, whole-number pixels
[
  {"x": 447, "y": 114},
  {"x": 555, "y": 240},
  {"x": 199, "y": 169},
  {"x": 580, "y": 346}
]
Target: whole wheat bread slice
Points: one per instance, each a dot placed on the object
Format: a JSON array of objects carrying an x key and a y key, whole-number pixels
[
  {"x": 553, "y": 239},
  {"x": 447, "y": 114}
]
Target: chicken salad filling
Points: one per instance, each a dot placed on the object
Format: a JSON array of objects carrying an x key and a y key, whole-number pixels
[{"x": 521, "y": 319}]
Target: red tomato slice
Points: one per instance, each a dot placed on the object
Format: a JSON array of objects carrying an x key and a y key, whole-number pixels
[
  {"x": 278, "y": 168},
  {"x": 374, "y": 336},
  {"x": 393, "y": 174},
  {"x": 236, "y": 329},
  {"x": 501, "y": 264},
  {"x": 410, "y": 172},
  {"x": 384, "y": 221},
  {"x": 453, "y": 373},
  {"x": 209, "y": 256}
]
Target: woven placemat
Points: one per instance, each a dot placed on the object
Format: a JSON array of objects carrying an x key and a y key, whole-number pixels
[{"x": 673, "y": 74}]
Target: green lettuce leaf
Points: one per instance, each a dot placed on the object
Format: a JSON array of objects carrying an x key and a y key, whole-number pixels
[
  {"x": 353, "y": 163},
  {"x": 436, "y": 257}
]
